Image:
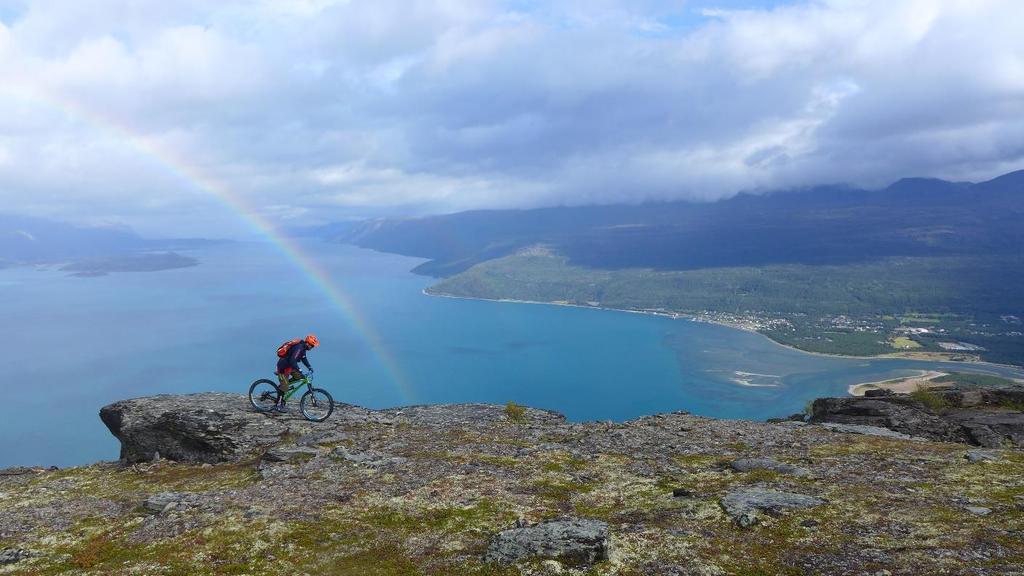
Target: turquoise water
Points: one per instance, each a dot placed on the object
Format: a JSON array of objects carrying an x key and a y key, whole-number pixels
[{"x": 72, "y": 345}]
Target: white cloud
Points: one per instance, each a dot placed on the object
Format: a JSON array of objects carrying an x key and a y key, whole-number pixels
[{"x": 133, "y": 111}]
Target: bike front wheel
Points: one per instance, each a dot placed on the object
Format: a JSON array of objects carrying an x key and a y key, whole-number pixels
[
  {"x": 263, "y": 395},
  {"x": 316, "y": 404}
]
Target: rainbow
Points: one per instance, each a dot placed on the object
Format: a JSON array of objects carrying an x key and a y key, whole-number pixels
[{"x": 234, "y": 203}]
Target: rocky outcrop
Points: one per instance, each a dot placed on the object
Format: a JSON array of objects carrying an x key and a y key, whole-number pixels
[
  {"x": 989, "y": 417},
  {"x": 209, "y": 486},
  {"x": 572, "y": 541},
  {"x": 745, "y": 504},
  {"x": 215, "y": 427}
]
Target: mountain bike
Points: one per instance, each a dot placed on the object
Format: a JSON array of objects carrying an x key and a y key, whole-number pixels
[{"x": 316, "y": 404}]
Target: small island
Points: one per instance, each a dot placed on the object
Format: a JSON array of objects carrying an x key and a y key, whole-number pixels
[{"x": 142, "y": 262}]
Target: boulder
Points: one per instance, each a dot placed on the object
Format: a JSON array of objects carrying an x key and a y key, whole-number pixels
[
  {"x": 748, "y": 464},
  {"x": 167, "y": 501},
  {"x": 899, "y": 413},
  {"x": 981, "y": 456},
  {"x": 744, "y": 504},
  {"x": 14, "y": 555},
  {"x": 573, "y": 541},
  {"x": 197, "y": 428}
]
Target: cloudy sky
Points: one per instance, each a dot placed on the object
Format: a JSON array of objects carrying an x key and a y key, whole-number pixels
[{"x": 148, "y": 113}]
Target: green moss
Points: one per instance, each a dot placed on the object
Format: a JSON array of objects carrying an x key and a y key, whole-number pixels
[
  {"x": 131, "y": 484},
  {"x": 560, "y": 490},
  {"x": 759, "y": 476},
  {"x": 515, "y": 412},
  {"x": 1011, "y": 405},
  {"x": 501, "y": 461},
  {"x": 696, "y": 460},
  {"x": 932, "y": 400},
  {"x": 563, "y": 463},
  {"x": 447, "y": 519}
]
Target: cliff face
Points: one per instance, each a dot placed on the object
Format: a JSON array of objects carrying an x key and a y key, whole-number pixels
[
  {"x": 484, "y": 489},
  {"x": 990, "y": 417}
]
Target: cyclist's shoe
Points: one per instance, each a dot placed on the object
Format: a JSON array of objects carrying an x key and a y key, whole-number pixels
[{"x": 280, "y": 407}]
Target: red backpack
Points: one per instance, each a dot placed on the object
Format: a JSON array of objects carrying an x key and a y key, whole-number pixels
[{"x": 282, "y": 350}]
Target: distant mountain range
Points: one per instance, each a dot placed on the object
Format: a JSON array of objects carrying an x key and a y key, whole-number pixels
[
  {"x": 822, "y": 225},
  {"x": 32, "y": 240}
]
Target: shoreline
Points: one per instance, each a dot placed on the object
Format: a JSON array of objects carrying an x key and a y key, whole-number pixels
[
  {"x": 680, "y": 316},
  {"x": 904, "y": 385}
]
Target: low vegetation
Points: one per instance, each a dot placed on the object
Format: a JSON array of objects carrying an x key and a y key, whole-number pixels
[
  {"x": 404, "y": 495},
  {"x": 857, "y": 309}
]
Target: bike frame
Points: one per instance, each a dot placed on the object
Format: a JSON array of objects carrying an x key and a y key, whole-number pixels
[{"x": 294, "y": 387}]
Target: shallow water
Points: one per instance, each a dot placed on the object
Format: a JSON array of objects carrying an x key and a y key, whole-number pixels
[{"x": 74, "y": 344}]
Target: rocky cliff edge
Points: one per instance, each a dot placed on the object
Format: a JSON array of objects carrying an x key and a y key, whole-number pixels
[{"x": 485, "y": 489}]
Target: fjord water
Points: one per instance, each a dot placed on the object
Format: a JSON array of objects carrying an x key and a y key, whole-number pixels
[{"x": 71, "y": 345}]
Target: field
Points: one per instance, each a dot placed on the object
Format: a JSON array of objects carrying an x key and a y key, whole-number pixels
[{"x": 904, "y": 343}]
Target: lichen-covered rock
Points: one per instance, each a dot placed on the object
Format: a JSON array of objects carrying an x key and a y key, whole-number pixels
[
  {"x": 368, "y": 457},
  {"x": 425, "y": 489},
  {"x": 207, "y": 427},
  {"x": 981, "y": 456},
  {"x": 167, "y": 501},
  {"x": 14, "y": 555},
  {"x": 572, "y": 541},
  {"x": 770, "y": 464},
  {"x": 217, "y": 427},
  {"x": 744, "y": 504}
]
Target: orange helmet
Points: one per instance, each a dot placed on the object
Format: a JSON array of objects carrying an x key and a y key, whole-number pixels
[{"x": 312, "y": 340}]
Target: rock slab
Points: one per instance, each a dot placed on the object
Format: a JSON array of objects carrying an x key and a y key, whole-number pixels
[
  {"x": 215, "y": 427},
  {"x": 743, "y": 505},
  {"x": 13, "y": 555},
  {"x": 988, "y": 417},
  {"x": 573, "y": 541}
]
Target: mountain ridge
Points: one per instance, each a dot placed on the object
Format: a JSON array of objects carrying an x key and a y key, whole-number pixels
[{"x": 821, "y": 225}]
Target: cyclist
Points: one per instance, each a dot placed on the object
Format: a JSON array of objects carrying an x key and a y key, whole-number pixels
[{"x": 288, "y": 366}]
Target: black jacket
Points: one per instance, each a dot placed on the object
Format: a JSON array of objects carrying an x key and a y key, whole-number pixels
[{"x": 296, "y": 354}]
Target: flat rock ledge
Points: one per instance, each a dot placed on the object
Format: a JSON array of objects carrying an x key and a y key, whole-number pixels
[
  {"x": 745, "y": 504},
  {"x": 214, "y": 427},
  {"x": 572, "y": 541}
]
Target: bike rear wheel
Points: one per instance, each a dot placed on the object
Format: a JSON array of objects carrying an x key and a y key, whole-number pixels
[
  {"x": 316, "y": 404},
  {"x": 263, "y": 395}
]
